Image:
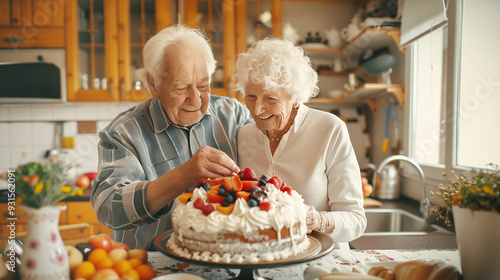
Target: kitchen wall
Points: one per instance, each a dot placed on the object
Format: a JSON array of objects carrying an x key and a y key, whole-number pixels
[{"x": 27, "y": 131}]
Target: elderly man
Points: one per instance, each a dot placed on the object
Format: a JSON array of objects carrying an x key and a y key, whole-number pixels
[{"x": 156, "y": 150}]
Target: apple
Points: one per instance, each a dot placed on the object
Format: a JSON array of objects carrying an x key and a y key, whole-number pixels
[
  {"x": 106, "y": 274},
  {"x": 364, "y": 181},
  {"x": 141, "y": 254},
  {"x": 118, "y": 255},
  {"x": 102, "y": 241},
  {"x": 91, "y": 175},
  {"x": 119, "y": 245},
  {"x": 85, "y": 249},
  {"x": 82, "y": 181},
  {"x": 367, "y": 190},
  {"x": 75, "y": 257}
]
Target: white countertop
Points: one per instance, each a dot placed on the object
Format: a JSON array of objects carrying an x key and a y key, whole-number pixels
[{"x": 343, "y": 260}]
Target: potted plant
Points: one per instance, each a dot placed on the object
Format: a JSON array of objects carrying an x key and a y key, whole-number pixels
[
  {"x": 475, "y": 203},
  {"x": 38, "y": 186}
]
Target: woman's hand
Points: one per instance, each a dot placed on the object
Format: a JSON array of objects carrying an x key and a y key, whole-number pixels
[
  {"x": 321, "y": 221},
  {"x": 312, "y": 219}
]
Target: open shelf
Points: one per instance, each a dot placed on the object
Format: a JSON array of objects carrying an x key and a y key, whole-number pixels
[
  {"x": 371, "y": 103},
  {"x": 367, "y": 93},
  {"x": 373, "y": 90},
  {"x": 369, "y": 38},
  {"x": 372, "y": 38}
]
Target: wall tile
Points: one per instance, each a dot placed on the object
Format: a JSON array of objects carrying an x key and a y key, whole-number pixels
[
  {"x": 43, "y": 134},
  {"x": 70, "y": 129},
  {"x": 43, "y": 112},
  {"x": 101, "y": 125},
  {"x": 86, "y": 112},
  {"x": 20, "y": 113},
  {"x": 65, "y": 112},
  {"x": 21, "y": 155},
  {"x": 4, "y": 135},
  {"x": 4, "y": 113},
  {"x": 5, "y": 162},
  {"x": 39, "y": 152},
  {"x": 21, "y": 134}
]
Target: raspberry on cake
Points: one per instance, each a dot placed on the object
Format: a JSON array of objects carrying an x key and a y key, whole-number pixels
[{"x": 224, "y": 220}]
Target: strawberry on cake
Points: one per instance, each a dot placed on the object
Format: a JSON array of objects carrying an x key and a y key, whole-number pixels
[{"x": 240, "y": 219}]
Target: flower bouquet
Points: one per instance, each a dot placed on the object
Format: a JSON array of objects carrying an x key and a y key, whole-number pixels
[
  {"x": 40, "y": 184},
  {"x": 476, "y": 214}
]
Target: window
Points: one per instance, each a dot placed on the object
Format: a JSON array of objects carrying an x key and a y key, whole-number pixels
[
  {"x": 454, "y": 119},
  {"x": 428, "y": 99},
  {"x": 478, "y": 126}
]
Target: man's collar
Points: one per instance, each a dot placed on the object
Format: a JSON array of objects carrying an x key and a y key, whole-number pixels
[{"x": 160, "y": 118}]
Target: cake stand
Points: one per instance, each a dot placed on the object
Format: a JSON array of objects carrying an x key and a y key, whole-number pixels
[{"x": 321, "y": 244}]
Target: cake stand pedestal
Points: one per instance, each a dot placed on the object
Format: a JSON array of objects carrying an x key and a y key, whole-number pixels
[{"x": 321, "y": 244}]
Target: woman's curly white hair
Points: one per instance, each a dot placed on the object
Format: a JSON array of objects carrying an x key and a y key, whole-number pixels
[{"x": 277, "y": 63}]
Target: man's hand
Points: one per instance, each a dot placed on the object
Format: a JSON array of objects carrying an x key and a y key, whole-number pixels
[{"x": 208, "y": 162}]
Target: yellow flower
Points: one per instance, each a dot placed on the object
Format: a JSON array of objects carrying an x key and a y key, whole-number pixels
[
  {"x": 39, "y": 188},
  {"x": 488, "y": 190},
  {"x": 78, "y": 192},
  {"x": 66, "y": 189}
]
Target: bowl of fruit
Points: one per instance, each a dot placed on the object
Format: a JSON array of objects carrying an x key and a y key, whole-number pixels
[{"x": 101, "y": 258}]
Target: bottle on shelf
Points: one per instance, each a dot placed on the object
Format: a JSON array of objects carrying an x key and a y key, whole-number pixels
[{"x": 309, "y": 38}]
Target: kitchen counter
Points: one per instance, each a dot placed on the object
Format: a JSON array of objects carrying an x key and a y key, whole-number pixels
[{"x": 343, "y": 260}]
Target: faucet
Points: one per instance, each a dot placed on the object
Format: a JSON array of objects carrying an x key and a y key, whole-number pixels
[{"x": 424, "y": 204}]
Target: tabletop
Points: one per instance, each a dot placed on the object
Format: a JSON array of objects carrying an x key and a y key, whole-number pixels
[{"x": 341, "y": 260}]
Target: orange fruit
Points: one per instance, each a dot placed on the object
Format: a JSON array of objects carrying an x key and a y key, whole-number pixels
[
  {"x": 146, "y": 272},
  {"x": 131, "y": 274},
  {"x": 85, "y": 270},
  {"x": 122, "y": 266},
  {"x": 96, "y": 255},
  {"x": 105, "y": 262},
  {"x": 135, "y": 262}
]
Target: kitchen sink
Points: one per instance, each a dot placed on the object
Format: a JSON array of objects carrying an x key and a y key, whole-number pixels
[
  {"x": 384, "y": 221},
  {"x": 400, "y": 229}
]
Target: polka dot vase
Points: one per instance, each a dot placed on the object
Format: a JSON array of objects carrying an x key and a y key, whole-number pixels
[{"x": 44, "y": 254}]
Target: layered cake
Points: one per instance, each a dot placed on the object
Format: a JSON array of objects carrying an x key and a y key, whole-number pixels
[{"x": 240, "y": 219}]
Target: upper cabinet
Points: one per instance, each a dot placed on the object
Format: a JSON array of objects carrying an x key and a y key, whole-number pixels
[
  {"x": 104, "y": 46},
  {"x": 31, "y": 24},
  {"x": 216, "y": 17}
]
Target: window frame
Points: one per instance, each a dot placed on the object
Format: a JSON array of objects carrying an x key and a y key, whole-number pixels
[{"x": 434, "y": 173}]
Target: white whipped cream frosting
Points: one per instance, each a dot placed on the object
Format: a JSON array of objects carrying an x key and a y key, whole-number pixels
[{"x": 286, "y": 211}]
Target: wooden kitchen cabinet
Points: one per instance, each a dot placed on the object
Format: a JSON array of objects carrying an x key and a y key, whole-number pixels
[
  {"x": 228, "y": 23},
  {"x": 31, "y": 24},
  {"x": 104, "y": 46},
  {"x": 82, "y": 212}
]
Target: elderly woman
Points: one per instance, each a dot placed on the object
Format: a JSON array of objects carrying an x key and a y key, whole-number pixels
[{"x": 309, "y": 149}]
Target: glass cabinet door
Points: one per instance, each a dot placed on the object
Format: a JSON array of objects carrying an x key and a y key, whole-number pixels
[
  {"x": 216, "y": 18},
  {"x": 256, "y": 20},
  {"x": 92, "y": 56},
  {"x": 139, "y": 20}
]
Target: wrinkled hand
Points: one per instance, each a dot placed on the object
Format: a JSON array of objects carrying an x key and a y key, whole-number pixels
[
  {"x": 208, "y": 162},
  {"x": 313, "y": 219},
  {"x": 321, "y": 221}
]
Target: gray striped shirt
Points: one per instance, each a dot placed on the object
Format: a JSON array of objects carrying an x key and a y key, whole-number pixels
[{"x": 142, "y": 144}]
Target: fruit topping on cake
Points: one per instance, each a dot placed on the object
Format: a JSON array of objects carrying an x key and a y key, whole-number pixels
[{"x": 223, "y": 192}]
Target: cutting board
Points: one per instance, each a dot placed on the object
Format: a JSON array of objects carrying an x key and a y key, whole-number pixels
[{"x": 370, "y": 203}]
